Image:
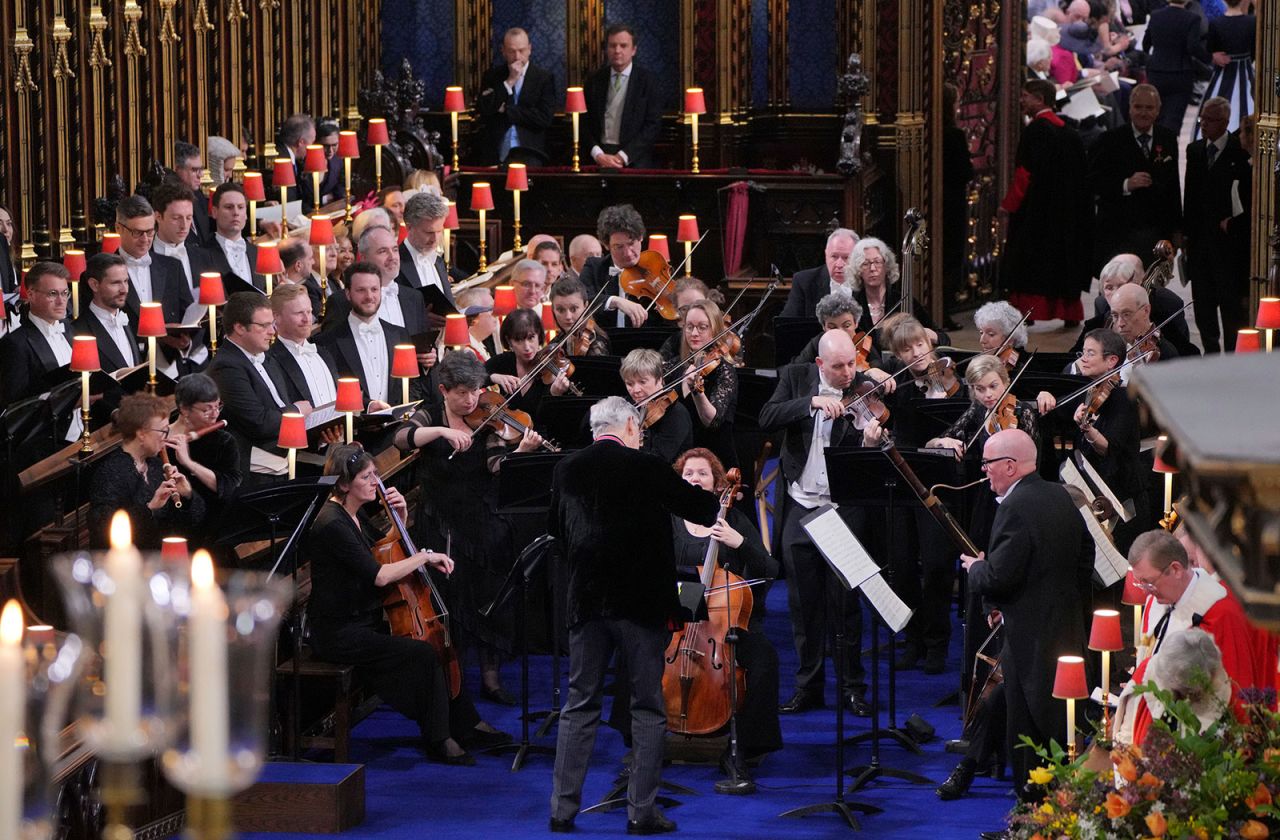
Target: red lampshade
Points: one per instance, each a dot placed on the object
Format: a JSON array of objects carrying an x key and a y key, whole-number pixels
[
  {"x": 694, "y": 102},
  {"x": 402, "y": 233},
  {"x": 293, "y": 431},
  {"x": 481, "y": 196},
  {"x": 348, "y": 144},
  {"x": 451, "y": 220},
  {"x": 110, "y": 243},
  {"x": 174, "y": 550},
  {"x": 314, "y": 161},
  {"x": 84, "y": 354},
  {"x": 377, "y": 133},
  {"x": 253, "y": 189},
  {"x": 282, "y": 174},
  {"x": 1069, "y": 681},
  {"x": 23, "y": 294},
  {"x": 73, "y": 260},
  {"x": 404, "y": 364},
  {"x": 151, "y": 321},
  {"x": 321, "y": 231},
  {"x": 212, "y": 292},
  {"x": 504, "y": 300},
  {"x": 517, "y": 177},
  {"x": 549, "y": 317},
  {"x": 1133, "y": 595},
  {"x": 1162, "y": 446},
  {"x": 658, "y": 242},
  {"x": 575, "y": 102},
  {"x": 348, "y": 395},
  {"x": 269, "y": 261},
  {"x": 1268, "y": 314},
  {"x": 454, "y": 102},
  {"x": 1104, "y": 634},
  {"x": 688, "y": 230},
  {"x": 455, "y": 330},
  {"x": 1248, "y": 341}
]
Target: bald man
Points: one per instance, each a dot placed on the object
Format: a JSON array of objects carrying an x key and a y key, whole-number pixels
[
  {"x": 1131, "y": 318},
  {"x": 806, "y": 407},
  {"x": 1165, "y": 304},
  {"x": 1037, "y": 576}
]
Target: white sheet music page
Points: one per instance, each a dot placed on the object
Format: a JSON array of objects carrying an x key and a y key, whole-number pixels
[
  {"x": 841, "y": 548},
  {"x": 895, "y": 613},
  {"x": 1108, "y": 563}
]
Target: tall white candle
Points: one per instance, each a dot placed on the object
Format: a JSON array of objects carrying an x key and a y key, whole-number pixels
[
  {"x": 208, "y": 668},
  {"x": 575, "y": 126},
  {"x": 151, "y": 357},
  {"x": 515, "y": 197},
  {"x": 84, "y": 390},
  {"x": 122, "y": 638},
  {"x": 695, "y": 128},
  {"x": 13, "y": 702},
  {"x": 1071, "y": 723}
]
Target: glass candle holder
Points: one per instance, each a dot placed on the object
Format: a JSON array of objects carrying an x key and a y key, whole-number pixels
[{"x": 52, "y": 665}]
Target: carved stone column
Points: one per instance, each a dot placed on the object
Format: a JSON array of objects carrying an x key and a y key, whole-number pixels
[
  {"x": 25, "y": 88},
  {"x": 99, "y": 63},
  {"x": 584, "y": 38},
  {"x": 134, "y": 52},
  {"x": 166, "y": 104}
]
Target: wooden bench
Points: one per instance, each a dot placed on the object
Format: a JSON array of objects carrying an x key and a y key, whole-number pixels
[{"x": 350, "y": 706}]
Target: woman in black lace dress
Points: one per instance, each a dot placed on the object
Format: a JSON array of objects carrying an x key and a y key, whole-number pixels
[
  {"x": 523, "y": 336},
  {"x": 712, "y": 399},
  {"x": 211, "y": 460}
]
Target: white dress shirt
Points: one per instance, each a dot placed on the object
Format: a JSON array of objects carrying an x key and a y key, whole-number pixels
[
  {"x": 319, "y": 378},
  {"x": 140, "y": 276},
  {"x": 259, "y": 360},
  {"x": 426, "y": 266},
  {"x": 372, "y": 346},
  {"x": 55, "y": 333},
  {"x": 389, "y": 310},
  {"x": 116, "y": 324},
  {"x": 812, "y": 489},
  {"x": 179, "y": 253},
  {"x": 237, "y": 256}
]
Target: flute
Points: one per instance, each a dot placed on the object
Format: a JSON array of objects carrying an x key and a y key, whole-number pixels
[{"x": 169, "y": 471}]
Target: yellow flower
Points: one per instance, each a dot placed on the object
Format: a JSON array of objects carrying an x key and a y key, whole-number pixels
[
  {"x": 1157, "y": 824},
  {"x": 1254, "y": 830},
  {"x": 1040, "y": 776}
]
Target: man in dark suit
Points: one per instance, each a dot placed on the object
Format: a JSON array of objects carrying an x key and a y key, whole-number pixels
[
  {"x": 232, "y": 255},
  {"x": 1218, "y": 173},
  {"x": 517, "y": 104},
  {"x": 333, "y": 184},
  {"x": 1166, "y": 306},
  {"x": 421, "y": 265},
  {"x": 622, "y": 594},
  {"x": 174, "y": 205},
  {"x": 1037, "y": 574},
  {"x": 1133, "y": 172},
  {"x": 31, "y": 355},
  {"x": 621, "y": 230},
  {"x": 1174, "y": 43},
  {"x": 298, "y": 258},
  {"x": 296, "y": 133},
  {"x": 624, "y": 106},
  {"x": 189, "y": 167},
  {"x": 104, "y": 318},
  {"x": 806, "y": 408},
  {"x": 813, "y": 284},
  {"x": 152, "y": 276}
]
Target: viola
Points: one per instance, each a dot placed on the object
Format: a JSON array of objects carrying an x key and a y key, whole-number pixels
[
  {"x": 510, "y": 424},
  {"x": 1097, "y": 396},
  {"x": 559, "y": 364},
  {"x": 582, "y": 340},
  {"x": 1005, "y": 414},
  {"x": 941, "y": 376},
  {"x": 863, "y": 404},
  {"x": 695, "y": 681},
  {"x": 655, "y": 409},
  {"x": 1146, "y": 349},
  {"x": 1009, "y": 356},
  {"x": 651, "y": 278},
  {"x": 412, "y": 604}
]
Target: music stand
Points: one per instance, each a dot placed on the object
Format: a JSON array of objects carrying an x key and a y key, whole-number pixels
[
  {"x": 622, "y": 340},
  {"x": 516, "y": 587},
  {"x": 755, "y": 387},
  {"x": 1050, "y": 362},
  {"x": 927, "y": 419},
  {"x": 790, "y": 335},
  {"x": 564, "y": 420},
  {"x": 597, "y": 376}
]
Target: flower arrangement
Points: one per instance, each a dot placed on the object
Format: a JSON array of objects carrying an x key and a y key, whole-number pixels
[{"x": 1180, "y": 783}]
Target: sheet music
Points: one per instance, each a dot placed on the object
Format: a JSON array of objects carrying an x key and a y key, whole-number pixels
[
  {"x": 895, "y": 613},
  {"x": 1124, "y": 509},
  {"x": 1108, "y": 563},
  {"x": 272, "y": 213},
  {"x": 191, "y": 319},
  {"x": 263, "y": 462},
  {"x": 1072, "y": 477},
  {"x": 321, "y": 415},
  {"x": 841, "y": 548},
  {"x": 120, "y": 373},
  {"x": 1083, "y": 104}
]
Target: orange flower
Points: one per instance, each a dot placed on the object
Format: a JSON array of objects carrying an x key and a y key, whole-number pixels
[
  {"x": 1149, "y": 780},
  {"x": 1117, "y": 807},
  {"x": 1125, "y": 766},
  {"x": 1261, "y": 796},
  {"x": 1157, "y": 824},
  {"x": 1254, "y": 830},
  {"x": 1271, "y": 755}
]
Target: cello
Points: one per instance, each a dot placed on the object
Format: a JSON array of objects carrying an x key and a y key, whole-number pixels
[
  {"x": 413, "y": 606},
  {"x": 695, "y": 680}
]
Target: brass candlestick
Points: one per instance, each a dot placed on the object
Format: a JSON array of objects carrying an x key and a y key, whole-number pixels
[
  {"x": 209, "y": 818},
  {"x": 576, "y": 167},
  {"x": 484, "y": 260},
  {"x": 120, "y": 792}
]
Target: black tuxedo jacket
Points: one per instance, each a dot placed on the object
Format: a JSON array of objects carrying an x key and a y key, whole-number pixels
[
  {"x": 1208, "y": 197},
  {"x": 415, "y": 313},
  {"x": 594, "y": 275},
  {"x": 26, "y": 363},
  {"x": 1134, "y": 223},
  {"x": 250, "y": 411},
  {"x": 807, "y": 288},
  {"x": 620, "y": 556},
  {"x": 641, "y": 114},
  {"x": 168, "y": 284},
  {"x": 340, "y": 344},
  {"x": 1173, "y": 41},
  {"x": 410, "y": 277},
  {"x": 218, "y": 259},
  {"x": 531, "y": 115},
  {"x": 789, "y": 411},
  {"x": 200, "y": 258},
  {"x": 108, "y": 353},
  {"x": 201, "y": 223},
  {"x": 8, "y": 276},
  {"x": 295, "y": 381}
]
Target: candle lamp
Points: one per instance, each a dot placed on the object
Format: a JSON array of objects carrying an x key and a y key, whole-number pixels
[
  {"x": 694, "y": 104},
  {"x": 175, "y": 550},
  {"x": 315, "y": 164},
  {"x": 450, "y": 225},
  {"x": 1069, "y": 684},
  {"x": 321, "y": 238},
  {"x": 1268, "y": 318},
  {"x": 1248, "y": 341},
  {"x": 404, "y": 366},
  {"x": 517, "y": 182},
  {"x": 151, "y": 326},
  {"x": 456, "y": 334},
  {"x": 110, "y": 243},
  {"x": 1134, "y": 596},
  {"x": 687, "y": 233},
  {"x": 269, "y": 263},
  {"x": 84, "y": 361},
  {"x": 454, "y": 103},
  {"x": 504, "y": 301},
  {"x": 575, "y": 104},
  {"x": 349, "y": 401},
  {"x": 282, "y": 177},
  {"x": 74, "y": 262},
  {"x": 1104, "y": 636},
  {"x": 1168, "y": 470},
  {"x": 212, "y": 294},
  {"x": 482, "y": 202},
  {"x": 292, "y": 437},
  {"x": 254, "y": 191},
  {"x": 549, "y": 325},
  {"x": 658, "y": 242},
  {"x": 348, "y": 150},
  {"x": 376, "y": 135}
]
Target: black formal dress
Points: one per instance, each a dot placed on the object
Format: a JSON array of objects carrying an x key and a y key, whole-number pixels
[
  {"x": 1219, "y": 279},
  {"x": 1174, "y": 43},
  {"x": 1038, "y": 573},
  {"x": 1122, "y": 467},
  {"x": 721, "y": 388},
  {"x": 216, "y": 451},
  {"x": 348, "y": 627},
  {"x": 1235, "y": 35},
  {"x": 891, "y": 297},
  {"x": 671, "y": 435},
  {"x": 1133, "y": 223},
  {"x": 530, "y": 110},
  {"x": 117, "y": 485},
  {"x": 641, "y": 116}
]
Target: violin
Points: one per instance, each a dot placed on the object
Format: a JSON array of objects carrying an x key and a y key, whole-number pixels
[
  {"x": 1009, "y": 356},
  {"x": 695, "y": 681},
  {"x": 707, "y": 360},
  {"x": 559, "y": 364},
  {"x": 583, "y": 339},
  {"x": 1005, "y": 414},
  {"x": 865, "y": 406},
  {"x": 651, "y": 278},
  {"x": 656, "y": 408},
  {"x": 941, "y": 376},
  {"x": 511, "y": 424},
  {"x": 1097, "y": 396},
  {"x": 413, "y": 606},
  {"x": 1146, "y": 349}
]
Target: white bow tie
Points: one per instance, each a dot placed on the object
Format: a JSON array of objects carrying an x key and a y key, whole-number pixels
[
  {"x": 118, "y": 319},
  {"x": 171, "y": 250},
  {"x": 258, "y": 359},
  {"x": 236, "y": 245},
  {"x": 142, "y": 262},
  {"x": 614, "y": 271},
  {"x": 308, "y": 349},
  {"x": 391, "y": 290},
  {"x": 825, "y": 390},
  {"x": 57, "y": 328},
  {"x": 370, "y": 329}
]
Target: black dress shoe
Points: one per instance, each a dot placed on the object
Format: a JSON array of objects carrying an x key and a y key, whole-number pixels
[
  {"x": 935, "y": 660},
  {"x": 560, "y": 826},
  {"x": 656, "y": 824},
  {"x": 438, "y": 753},
  {"x": 478, "y": 739},
  {"x": 907, "y": 658},
  {"x": 801, "y": 701},
  {"x": 957, "y": 784},
  {"x": 497, "y": 695},
  {"x": 858, "y": 706},
  {"x": 728, "y": 765}
]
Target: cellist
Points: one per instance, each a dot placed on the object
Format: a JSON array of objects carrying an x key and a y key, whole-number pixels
[{"x": 347, "y": 622}]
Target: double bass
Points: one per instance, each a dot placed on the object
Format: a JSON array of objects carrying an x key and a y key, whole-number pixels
[
  {"x": 695, "y": 681},
  {"x": 413, "y": 606}
]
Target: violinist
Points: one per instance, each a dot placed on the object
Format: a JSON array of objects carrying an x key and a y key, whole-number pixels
[
  {"x": 621, "y": 231},
  {"x": 932, "y": 375},
  {"x": 839, "y": 311},
  {"x": 996, "y": 321},
  {"x": 476, "y": 304},
  {"x": 872, "y": 275},
  {"x": 199, "y": 448},
  {"x": 1125, "y": 269},
  {"x": 988, "y": 381},
  {"x": 568, "y": 302},
  {"x": 347, "y": 622},
  {"x": 689, "y": 290},
  {"x": 522, "y": 335},
  {"x": 668, "y": 431},
  {"x": 1131, "y": 318},
  {"x": 459, "y": 505},
  {"x": 710, "y": 391}
]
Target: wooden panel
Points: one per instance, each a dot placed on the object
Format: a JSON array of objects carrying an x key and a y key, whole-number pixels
[{"x": 303, "y": 798}]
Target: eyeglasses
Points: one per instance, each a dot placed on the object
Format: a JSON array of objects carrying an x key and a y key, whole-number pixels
[
  {"x": 987, "y": 462},
  {"x": 141, "y": 234},
  {"x": 1126, "y": 314},
  {"x": 207, "y": 408},
  {"x": 872, "y": 263},
  {"x": 1150, "y": 585},
  {"x": 266, "y": 325},
  {"x": 164, "y": 433},
  {"x": 65, "y": 294},
  {"x": 697, "y": 328}
]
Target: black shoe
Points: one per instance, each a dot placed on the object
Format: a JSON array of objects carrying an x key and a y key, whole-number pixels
[
  {"x": 802, "y": 701},
  {"x": 728, "y": 766},
  {"x": 858, "y": 706},
  {"x": 437, "y": 752},
  {"x": 656, "y": 824},
  {"x": 497, "y": 695},
  {"x": 935, "y": 661},
  {"x": 478, "y": 739},
  {"x": 996, "y": 770},
  {"x": 907, "y": 658},
  {"x": 957, "y": 784},
  {"x": 560, "y": 826}
]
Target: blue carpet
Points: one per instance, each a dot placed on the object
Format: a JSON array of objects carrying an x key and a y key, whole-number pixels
[{"x": 409, "y": 797}]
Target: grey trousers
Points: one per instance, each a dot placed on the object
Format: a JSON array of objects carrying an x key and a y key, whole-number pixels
[{"x": 640, "y": 648}]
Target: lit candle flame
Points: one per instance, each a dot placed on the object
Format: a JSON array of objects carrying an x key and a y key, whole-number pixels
[
  {"x": 11, "y": 624},
  {"x": 121, "y": 532},
  {"x": 202, "y": 570}
]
